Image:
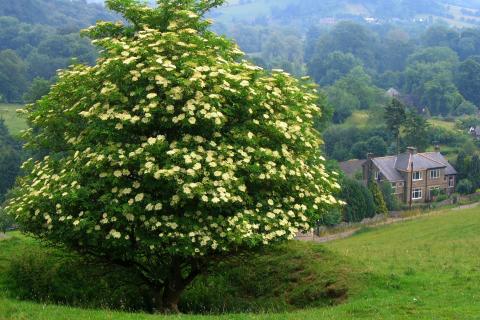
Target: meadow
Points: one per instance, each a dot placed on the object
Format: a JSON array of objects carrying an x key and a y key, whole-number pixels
[
  {"x": 428, "y": 268},
  {"x": 14, "y": 122}
]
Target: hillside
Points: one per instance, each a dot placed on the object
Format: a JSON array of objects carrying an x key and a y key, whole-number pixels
[
  {"x": 424, "y": 268},
  {"x": 38, "y": 37},
  {"x": 307, "y": 12},
  {"x": 56, "y": 13}
]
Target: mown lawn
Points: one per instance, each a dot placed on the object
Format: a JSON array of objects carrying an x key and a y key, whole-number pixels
[
  {"x": 8, "y": 112},
  {"x": 427, "y": 268}
]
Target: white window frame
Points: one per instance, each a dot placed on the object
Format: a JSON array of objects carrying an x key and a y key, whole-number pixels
[
  {"x": 377, "y": 175},
  {"x": 419, "y": 193},
  {"x": 451, "y": 182},
  {"x": 394, "y": 187},
  {"x": 435, "y": 174},
  {"x": 420, "y": 175}
]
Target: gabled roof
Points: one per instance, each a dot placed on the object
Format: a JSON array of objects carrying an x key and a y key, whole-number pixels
[
  {"x": 421, "y": 161},
  {"x": 437, "y": 156},
  {"x": 351, "y": 167},
  {"x": 386, "y": 165},
  {"x": 392, "y": 167}
]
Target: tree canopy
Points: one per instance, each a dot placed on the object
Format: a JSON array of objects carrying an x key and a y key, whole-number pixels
[{"x": 171, "y": 152}]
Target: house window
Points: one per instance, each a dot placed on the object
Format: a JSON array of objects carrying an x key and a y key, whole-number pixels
[
  {"x": 377, "y": 175},
  {"x": 451, "y": 182},
  {"x": 417, "y": 194},
  {"x": 417, "y": 176},
  {"x": 394, "y": 187},
  {"x": 435, "y": 174}
]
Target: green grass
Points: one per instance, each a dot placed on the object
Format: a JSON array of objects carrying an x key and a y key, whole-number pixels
[
  {"x": 427, "y": 268},
  {"x": 8, "y": 112},
  {"x": 449, "y": 125},
  {"x": 285, "y": 278},
  {"x": 359, "y": 119}
]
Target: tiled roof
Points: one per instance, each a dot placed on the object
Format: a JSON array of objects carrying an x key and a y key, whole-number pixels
[
  {"x": 391, "y": 167},
  {"x": 351, "y": 167},
  {"x": 437, "y": 156},
  {"x": 386, "y": 165},
  {"x": 420, "y": 161}
]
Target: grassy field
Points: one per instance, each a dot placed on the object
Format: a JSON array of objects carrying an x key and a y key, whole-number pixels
[
  {"x": 427, "y": 268},
  {"x": 8, "y": 112},
  {"x": 449, "y": 125},
  {"x": 359, "y": 118}
]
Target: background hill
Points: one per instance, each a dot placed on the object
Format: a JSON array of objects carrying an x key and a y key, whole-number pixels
[
  {"x": 306, "y": 12},
  {"x": 38, "y": 37},
  {"x": 56, "y": 13}
]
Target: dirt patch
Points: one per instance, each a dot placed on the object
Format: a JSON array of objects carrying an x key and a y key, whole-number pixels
[
  {"x": 4, "y": 236},
  {"x": 468, "y": 206}
]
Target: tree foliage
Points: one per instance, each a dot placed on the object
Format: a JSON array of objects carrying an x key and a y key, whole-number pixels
[
  {"x": 391, "y": 200},
  {"x": 9, "y": 160},
  {"x": 171, "y": 152},
  {"x": 395, "y": 116},
  {"x": 359, "y": 201},
  {"x": 380, "y": 205}
]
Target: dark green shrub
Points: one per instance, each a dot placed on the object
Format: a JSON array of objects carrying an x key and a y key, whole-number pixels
[
  {"x": 360, "y": 203},
  {"x": 391, "y": 200},
  {"x": 380, "y": 205},
  {"x": 331, "y": 218},
  {"x": 5, "y": 221},
  {"x": 465, "y": 186},
  {"x": 441, "y": 198},
  {"x": 51, "y": 276}
]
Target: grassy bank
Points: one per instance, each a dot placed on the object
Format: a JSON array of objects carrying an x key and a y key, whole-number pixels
[
  {"x": 8, "y": 112},
  {"x": 286, "y": 278},
  {"x": 427, "y": 268}
]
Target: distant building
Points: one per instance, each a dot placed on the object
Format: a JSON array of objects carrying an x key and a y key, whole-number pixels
[
  {"x": 371, "y": 20},
  {"x": 352, "y": 167},
  {"x": 328, "y": 21},
  {"x": 413, "y": 175},
  {"x": 475, "y": 132},
  {"x": 393, "y": 93}
]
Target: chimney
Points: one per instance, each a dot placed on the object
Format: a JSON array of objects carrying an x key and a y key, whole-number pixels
[
  {"x": 412, "y": 150},
  {"x": 369, "y": 156},
  {"x": 437, "y": 148}
]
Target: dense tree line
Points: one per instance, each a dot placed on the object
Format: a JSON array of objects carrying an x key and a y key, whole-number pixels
[
  {"x": 38, "y": 37},
  {"x": 436, "y": 72},
  {"x": 10, "y": 156}
]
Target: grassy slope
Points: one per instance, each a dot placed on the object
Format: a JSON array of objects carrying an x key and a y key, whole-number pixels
[
  {"x": 422, "y": 269},
  {"x": 233, "y": 10},
  {"x": 14, "y": 123}
]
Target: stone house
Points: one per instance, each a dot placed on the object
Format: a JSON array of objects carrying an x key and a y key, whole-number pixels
[
  {"x": 475, "y": 132},
  {"x": 413, "y": 175}
]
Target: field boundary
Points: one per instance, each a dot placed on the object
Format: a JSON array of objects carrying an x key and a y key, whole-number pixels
[{"x": 311, "y": 237}]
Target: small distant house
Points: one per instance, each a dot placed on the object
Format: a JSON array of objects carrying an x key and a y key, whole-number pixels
[
  {"x": 413, "y": 175},
  {"x": 475, "y": 132},
  {"x": 393, "y": 93},
  {"x": 352, "y": 167}
]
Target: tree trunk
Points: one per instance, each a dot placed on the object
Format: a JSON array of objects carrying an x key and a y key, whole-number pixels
[
  {"x": 168, "y": 296},
  {"x": 171, "y": 298},
  {"x": 398, "y": 143}
]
